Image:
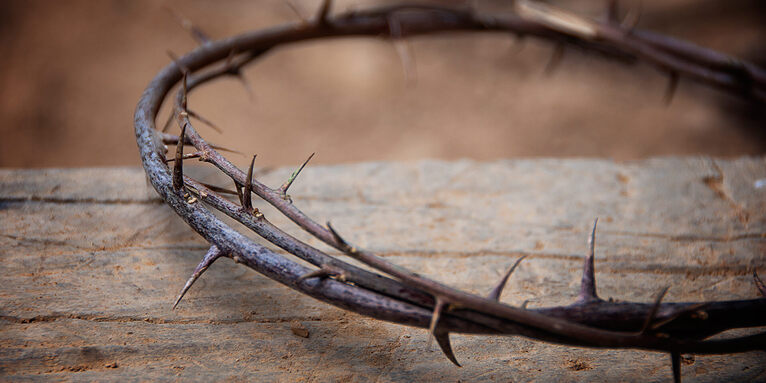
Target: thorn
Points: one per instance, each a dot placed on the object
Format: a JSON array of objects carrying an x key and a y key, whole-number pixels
[
  {"x": 588, "y": 283},
  {"x": 170, "y": 139},
  {"x": 197, "y": 34},
  {"x": 653, "y": 311},
  {"x": 670, "y": 91},
  {"x": 675, "y": 360},
  {"x": 633, "y": 17},
  {"x": 403, "y": 50},
  {"x": 212, "y": 255},
  {"x": 178, "y": 166},
  {"x": 524, "y": 304},
  {"x": 555, "y": 60},
  {"x": 295, "y": 174},
  {"x": 186, "y": 156},
  {"x": 181, "y": 68},
  {"x": 171, "y": 117},
  {"x": 759, "y": 283},
  {"x": 218, "y": 189},
  {"x": 324, "y": 12},
  {"x": 297, "y": 11},
  {"x": 239, "y": 193},
  {"x": 342, "y": 244},
  {"x": 438, "y": 308},
  {"x": 247, "y": 202},
  {"x": 495, "y": 293},
  {"x": 204, "y": 121},
  {"x": 186, "y": 92},
  {"x": 442, "y": 339}
]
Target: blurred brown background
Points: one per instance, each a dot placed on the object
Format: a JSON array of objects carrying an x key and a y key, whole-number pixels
[{"x": 72, "y": 71}]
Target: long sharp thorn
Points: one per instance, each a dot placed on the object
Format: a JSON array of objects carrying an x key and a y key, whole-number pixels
[
  {"x": 186, "y": 156},
  {"x": 524, "y": 304},
  {"x": 212, "y": 255},
  {"x": 204, "y": 121},
  {"x": 555, "y": 60},
  {"x": 218, "y": 189},
  {"x": 588, "y": 283},
  {"x": 196, "y": 33},
  {"x": 178, "y": 166},
  {"x": 296, "y": 11},
  {"x": 239, "y": 193},
  {"x": 442, "y": 339},
  {"x": 435, "y": 316},
  {"x": 675, "y": 360},
  {"x": 670, "y": 91},
  {"x": 495, "y": 293},
  {"x": 653, "y": 311},
  {"x": 181, "y": 68},
  {"x": 759, "y": 283},
  {"x": 247, "y": 201},
  {"x": 324, "y": 12},
  {"x": 295, "y": 174}
]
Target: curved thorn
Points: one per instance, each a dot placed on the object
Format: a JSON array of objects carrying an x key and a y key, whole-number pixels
[
  {"x": 588, "y": 282},
  {"x": 204, "y": 121},
  {"x": 555, "y": 60},
  {"x": 442, "y": 339},
  {"x": 247, "y": 201},
  {"x": 653, "y": 311},
  {"x": 495, "y": 293},
  {"x": 295, "y": 174},
  {"x": 212, "y": 255},
  {"x": 435, "y": 316},
  {"x": 178, "y": 166},
  {"x": 670, "y": 91},
  {"x": 759, "y": 283},
  {"x": 675, "y": 360},
  {"x": 524, "y": 304}
]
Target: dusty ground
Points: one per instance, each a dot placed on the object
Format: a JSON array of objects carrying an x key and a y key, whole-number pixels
[{"x": 72, "y": 72}]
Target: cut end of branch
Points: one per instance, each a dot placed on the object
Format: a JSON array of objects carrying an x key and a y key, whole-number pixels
[
  {"x": 212, "y": 255},
  {"x": 495, "y": 293}
]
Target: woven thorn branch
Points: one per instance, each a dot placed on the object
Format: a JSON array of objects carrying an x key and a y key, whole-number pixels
[{"x": 396, "y": 294}]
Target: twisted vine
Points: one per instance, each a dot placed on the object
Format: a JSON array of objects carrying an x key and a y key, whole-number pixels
[{"x": 398, "y": 295}]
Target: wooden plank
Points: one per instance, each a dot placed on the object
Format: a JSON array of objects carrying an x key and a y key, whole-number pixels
[{"x": 92, "y": 262}]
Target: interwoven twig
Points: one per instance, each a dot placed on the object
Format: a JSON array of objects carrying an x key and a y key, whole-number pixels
[{"x": 402, "y": 296}]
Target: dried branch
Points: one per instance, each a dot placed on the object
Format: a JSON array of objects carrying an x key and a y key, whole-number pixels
[{"x": 398, "y": 295}]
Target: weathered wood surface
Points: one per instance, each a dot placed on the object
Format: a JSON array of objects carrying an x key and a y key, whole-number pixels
[{"x": 92, "y": 261}]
